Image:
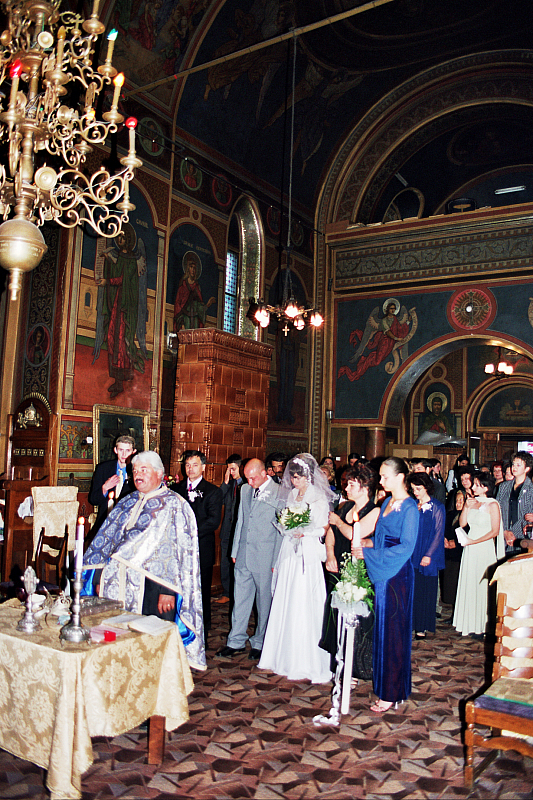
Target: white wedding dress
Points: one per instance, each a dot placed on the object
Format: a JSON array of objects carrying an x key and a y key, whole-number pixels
[{"x": 299, "y": 593}]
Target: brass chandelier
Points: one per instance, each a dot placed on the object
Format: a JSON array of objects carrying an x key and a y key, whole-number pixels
[{"x": 46, "y": 61}]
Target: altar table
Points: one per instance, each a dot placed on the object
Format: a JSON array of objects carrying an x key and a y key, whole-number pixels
[{"x": 54, "y": 697}]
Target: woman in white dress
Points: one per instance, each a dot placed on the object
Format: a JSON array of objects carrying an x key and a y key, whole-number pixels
[
  {"x": 299, "y": 590},
  {"x": 483, "y": 547}
]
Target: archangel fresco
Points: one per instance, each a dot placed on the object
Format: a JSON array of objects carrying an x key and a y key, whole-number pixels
[{"x": 387, "y": 333}]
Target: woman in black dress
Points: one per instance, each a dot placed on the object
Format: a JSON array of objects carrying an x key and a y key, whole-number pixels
[{"x": 359, "y": 485}]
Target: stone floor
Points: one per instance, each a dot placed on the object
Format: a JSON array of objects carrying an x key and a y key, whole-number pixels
[{"x": 251, "y": 735}]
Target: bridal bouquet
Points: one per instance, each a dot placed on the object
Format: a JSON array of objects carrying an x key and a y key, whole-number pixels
[
  {"x": 353, "y": 592},
  {"x": 291, "y": 520}
]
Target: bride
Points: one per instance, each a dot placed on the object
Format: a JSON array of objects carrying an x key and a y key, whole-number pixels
[{"x": 295, "y": 622}]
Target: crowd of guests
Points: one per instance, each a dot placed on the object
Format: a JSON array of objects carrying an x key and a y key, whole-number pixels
[
  {"x": 425, "y": 547},
  {"x": 288, "y": 525}
]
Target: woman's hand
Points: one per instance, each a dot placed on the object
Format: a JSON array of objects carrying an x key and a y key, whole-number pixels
[
  {"x": 358, "y": 552},
  {"x": 509, "y": 537},
  {"x": 426, "y": 561},
  {"x": 331, "y": 564},
  {"x": 449, "y": 544},
  {"x": 334, "y": 519}
]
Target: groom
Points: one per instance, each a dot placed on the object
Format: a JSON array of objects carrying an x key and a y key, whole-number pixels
[{"x": 255, "y": 548}]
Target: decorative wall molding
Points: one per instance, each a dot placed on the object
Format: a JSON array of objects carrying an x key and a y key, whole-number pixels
[{"x": 424, "y": 253}]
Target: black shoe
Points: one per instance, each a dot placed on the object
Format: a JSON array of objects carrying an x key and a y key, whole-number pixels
[
  {"x": 254, "y": 654},
  {"x": 420, "y": 635},
  {"x": 478, "y": 637},
  {"x": 229, "y": 652}
]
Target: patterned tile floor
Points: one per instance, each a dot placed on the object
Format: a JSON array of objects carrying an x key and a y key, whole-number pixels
[{"x": 251, "y": 735}]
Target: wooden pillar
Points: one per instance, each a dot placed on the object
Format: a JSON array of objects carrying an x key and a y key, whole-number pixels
[{"x": 375, "y": 441}]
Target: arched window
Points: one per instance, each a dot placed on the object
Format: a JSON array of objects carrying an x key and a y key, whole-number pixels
[{"x": 243, "y": 268}]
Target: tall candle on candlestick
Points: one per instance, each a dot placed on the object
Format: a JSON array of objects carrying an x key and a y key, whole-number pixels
[
  {"x": 110, "y": 500},
  {"x": 111, "y": 37},
  {"x": 131, "y": 124},
  {"x": 61, "y": 35},
  {"x": 14, "y": 73},
  {"x": 80, "y": 535},
  {"x": 119, "y": 83}
]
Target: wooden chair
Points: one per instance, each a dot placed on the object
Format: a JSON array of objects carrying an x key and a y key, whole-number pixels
[
  {"x": 506, "y": 706},
  {"x": 19, "y": 545},
  {"x": 50, "y": 554}
]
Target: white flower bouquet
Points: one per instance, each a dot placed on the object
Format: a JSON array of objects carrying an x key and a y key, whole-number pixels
[
  {"x": 290, "y": 522},
  {"x": 353, "y": 593},
  {"x": 291, "y": 518}
]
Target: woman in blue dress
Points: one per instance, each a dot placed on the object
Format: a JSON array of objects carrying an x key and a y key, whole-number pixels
[
  {"x": 388, "y": 561},
  {"x": 428, "y": 555}
]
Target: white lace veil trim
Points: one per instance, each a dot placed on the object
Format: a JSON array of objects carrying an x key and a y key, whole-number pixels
[{"x": 305, "y": 464}]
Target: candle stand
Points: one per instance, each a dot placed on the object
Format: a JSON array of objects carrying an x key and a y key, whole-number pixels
[{"x": 74, "y": 631}]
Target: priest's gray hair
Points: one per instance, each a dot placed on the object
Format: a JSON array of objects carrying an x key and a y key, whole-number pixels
[{"x": 149, "y": 457}]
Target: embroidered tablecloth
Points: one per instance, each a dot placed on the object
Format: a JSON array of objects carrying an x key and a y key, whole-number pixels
[{"x": 54, "y": 697}]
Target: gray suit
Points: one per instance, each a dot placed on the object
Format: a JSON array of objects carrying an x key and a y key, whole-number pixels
[
  {"x": 525, "y": 506},
  {"x": 255, "y": 548}
]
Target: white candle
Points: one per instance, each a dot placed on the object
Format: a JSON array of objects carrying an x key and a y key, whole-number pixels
[
  {"x": 356, "y": 538},
  {"x": 110, "y": 45},
  {"x": 110, "y": 500},
  {"x": 80, "y": 534},
  {"x": 119, "y": 82},
  {"x": 131, "y": 124}
]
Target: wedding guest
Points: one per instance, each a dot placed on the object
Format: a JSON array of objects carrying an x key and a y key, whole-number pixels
[
  {"x": 388, "y": 560},
  {"x": 428, "y": 555},
  {"x": 275, "y": 466},
  {"x": 452, "y": 554},
  {"x": 230, "y": 488},
  {"x": 516, "y": 502},
  {"x": 359, "y": 484},
  {"x": 452, "y": 479},
  {"x": 294, "y": 626},
  {"x": 206, "y": 501},
  {"x": 425, "y": 465},
  {"x": 111, "y": 476},
  {"x": 465, "y": 479},
  {"x": 482, "y": 513},
  {"x": 336, "y": 495},
  {"x": 497, "y": 474}
]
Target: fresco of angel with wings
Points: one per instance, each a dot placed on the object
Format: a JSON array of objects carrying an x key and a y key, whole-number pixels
[{"x": 385, "y": 334}]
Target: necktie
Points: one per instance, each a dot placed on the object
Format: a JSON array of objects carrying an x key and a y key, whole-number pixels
[
  {"x": 189, "y": 488},
  {"x": 256, "y": 493},
  {"x": 120, "y": 484}
]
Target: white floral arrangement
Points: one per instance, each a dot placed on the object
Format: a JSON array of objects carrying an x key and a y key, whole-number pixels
[
  {"x": 353, "y": 592},
  {"x": 290, "y": 522}
]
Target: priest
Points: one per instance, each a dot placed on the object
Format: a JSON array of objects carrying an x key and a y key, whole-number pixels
[{"x": 146, "y": 555}]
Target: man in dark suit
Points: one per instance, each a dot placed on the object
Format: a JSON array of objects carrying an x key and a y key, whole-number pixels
[
  {"x": 230, "y": 488},
  {"x": 206, "y": 502},
  {"x": 114, "y": 475}
]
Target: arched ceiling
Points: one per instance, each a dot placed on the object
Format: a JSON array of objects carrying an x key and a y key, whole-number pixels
[{"x": 236, "y": 111}]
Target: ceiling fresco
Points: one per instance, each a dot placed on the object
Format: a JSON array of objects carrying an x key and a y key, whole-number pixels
[{"x": 241, "y": 110}]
